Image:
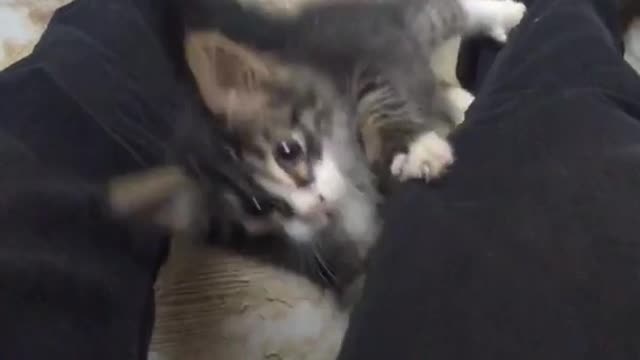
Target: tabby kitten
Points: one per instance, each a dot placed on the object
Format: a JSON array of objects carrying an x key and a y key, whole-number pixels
[
  {"x": 321, "y": 102},
  {"x": 296, "y": 137}
]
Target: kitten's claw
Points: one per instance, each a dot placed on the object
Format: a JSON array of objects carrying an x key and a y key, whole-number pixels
[{"x": 428, "y": 157}]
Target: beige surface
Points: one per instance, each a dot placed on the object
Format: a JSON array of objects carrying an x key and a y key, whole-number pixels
[
  {"x": 21, "y": 23},
  {"x": 217, "y": 305}
]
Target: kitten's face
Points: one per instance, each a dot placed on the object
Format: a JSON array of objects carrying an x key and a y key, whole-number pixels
[
  {"x": 291, "y": 155},
  {"x": 283, "y": 118}
]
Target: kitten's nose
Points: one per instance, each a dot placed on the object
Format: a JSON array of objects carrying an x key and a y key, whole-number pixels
[
  {"x": 321, "y": 198},
  {"x": 301, "y": 175}
]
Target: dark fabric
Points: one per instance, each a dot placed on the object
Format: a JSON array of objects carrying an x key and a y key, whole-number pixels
[
  {"x": 75, "y": 283},
  {"x": 94, "y": 96},
  {"x": 94, "y": 100},
  {"x": 530, "y": 248}
]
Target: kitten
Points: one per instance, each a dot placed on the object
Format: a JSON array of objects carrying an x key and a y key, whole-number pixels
[
  {"x": 296, "y": 138},
  {"x": 315, "y": 102}
]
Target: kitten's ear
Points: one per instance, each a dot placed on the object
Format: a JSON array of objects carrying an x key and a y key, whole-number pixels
[
  {"x": 229, "y": 76},
  {"x": 163, "y": 196}
]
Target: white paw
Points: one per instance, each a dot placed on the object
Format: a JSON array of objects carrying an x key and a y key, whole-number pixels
[
  {"x": 428, "y": 157},
  {"x": 509, "y": 13},
  {"x": 458, "y": 100}
]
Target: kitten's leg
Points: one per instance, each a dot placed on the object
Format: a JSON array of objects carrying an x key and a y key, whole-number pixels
[
  {"x": 405, "y": 149},
  {"x": 495, "y": 18},
  {"x": 444, "y": 61},
  {"x": 398, "y": 138},
  {"x": 429, "y": 154}
]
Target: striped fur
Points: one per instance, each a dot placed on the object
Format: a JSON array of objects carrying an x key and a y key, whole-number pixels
[{"x": 360, "y": 71}]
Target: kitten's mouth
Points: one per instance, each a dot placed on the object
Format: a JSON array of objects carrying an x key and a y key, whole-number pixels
[{"x": 320, "y": 213}]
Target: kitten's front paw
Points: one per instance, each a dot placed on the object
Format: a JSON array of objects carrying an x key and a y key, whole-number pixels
[
  {"x": 509, "y": 15},
  {"x": 458, "y": 100},
  {"x": 428, "y": 157}
]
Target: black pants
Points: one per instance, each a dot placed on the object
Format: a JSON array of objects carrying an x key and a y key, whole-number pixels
[
  {"x": 528, "y": 250},
  {"x": 94, "y": 100},
  {"x": 95, "y": 97},
  {"x": 531, "y": 247}
]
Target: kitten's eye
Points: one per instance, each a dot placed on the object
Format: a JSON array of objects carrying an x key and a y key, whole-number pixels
[{"x": 288, "y": 150}]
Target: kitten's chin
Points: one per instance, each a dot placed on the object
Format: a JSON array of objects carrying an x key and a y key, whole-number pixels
[{"x": 304, "y": 229}]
